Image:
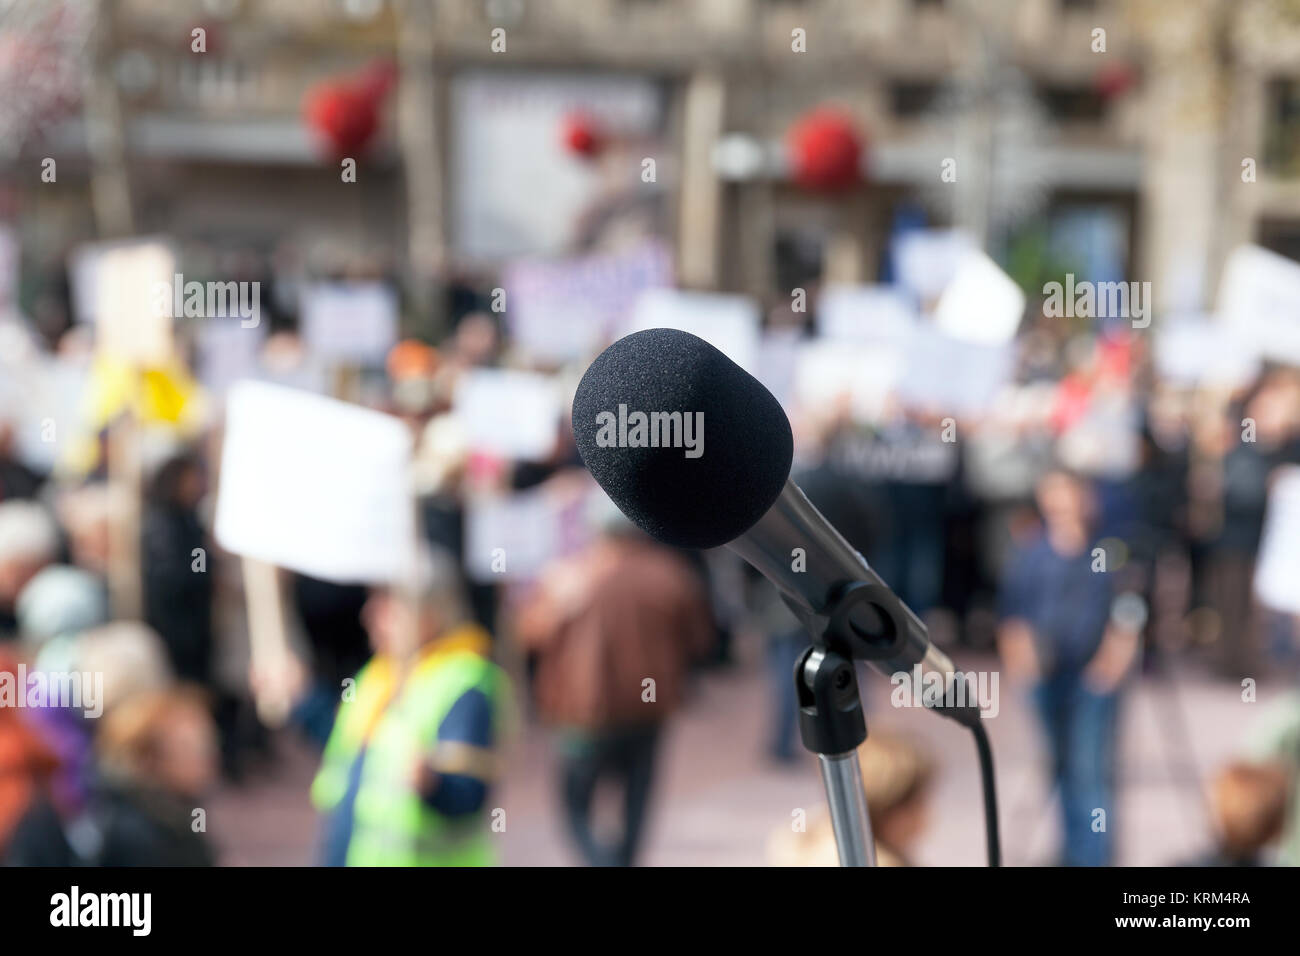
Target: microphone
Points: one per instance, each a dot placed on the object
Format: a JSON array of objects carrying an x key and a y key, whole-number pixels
[
  {"x": 641, "y": 417},
  {"x": 697, "y": 453}
]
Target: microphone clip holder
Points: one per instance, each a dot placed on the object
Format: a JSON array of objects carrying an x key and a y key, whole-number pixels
[{"x": 861, "y": 622}]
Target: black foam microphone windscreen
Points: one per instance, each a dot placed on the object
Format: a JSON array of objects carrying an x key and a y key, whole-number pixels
[{"x": 688, "y": 444}]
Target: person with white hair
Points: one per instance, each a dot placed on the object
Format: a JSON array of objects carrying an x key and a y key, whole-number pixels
[
  {"x": 29, "y": 540},
  {"x": 60, "y": 601}
]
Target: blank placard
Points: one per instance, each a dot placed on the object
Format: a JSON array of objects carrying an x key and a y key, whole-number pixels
[{"x": 315, "y": 485}]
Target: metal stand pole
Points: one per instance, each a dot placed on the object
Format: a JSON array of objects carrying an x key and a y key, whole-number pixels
[
  {"x": 859, "y": 621},
  {"x": 848, "y": 803},
  {"x": 832, "y": 726}
]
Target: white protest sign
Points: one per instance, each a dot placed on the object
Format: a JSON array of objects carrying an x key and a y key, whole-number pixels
[
  {"x": 53, "y": 406},
  {"x": 1277, "y": 574},
  {"x": 778, "y": 362},
  {"x": 352, "y": 322},
  {"x": 83, "y": 271},
  {"x": 513, "y": 537},
  {"x": 1260, "y": 295},
  {"x": 121, "y": 291},
  {"x": 508, "y": 413},
  {"x": 926, "y": 260},
  {"x": 1192, "y": 351},
  {"x": 982, "y": 303},
  {"x": 727, "y": 322},
  {"x": 828, "y": 373},
  {"x": 19, "y": 358},
  {"x": 41, "y": 396},
  {"x": 509, "y": 538},
  {"x": 227, "y": 351},
  {"x": 950, "y": 375},
  {"x": 1104, "y": 441},
  {"x": 316, "y": 485},
  {"x": 566, "y": 309},
  {"x": 864, "y": 313}
]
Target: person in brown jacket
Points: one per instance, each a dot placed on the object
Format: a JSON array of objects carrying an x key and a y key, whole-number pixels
[{"x": 613, "y": 630}]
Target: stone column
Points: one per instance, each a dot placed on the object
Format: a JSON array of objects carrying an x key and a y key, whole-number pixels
[{"x": 698, "y": 220}]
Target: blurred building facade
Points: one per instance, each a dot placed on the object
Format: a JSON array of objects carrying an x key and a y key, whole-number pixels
[{"x": 1167, "y": 128}]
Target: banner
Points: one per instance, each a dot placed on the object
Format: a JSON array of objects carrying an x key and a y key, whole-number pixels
[
  {"x": 727, "y": 322},
  {"x": 569, "y": 308},
  {"x": 865, "y": 313},
  {"x": 354, "y": 323}
]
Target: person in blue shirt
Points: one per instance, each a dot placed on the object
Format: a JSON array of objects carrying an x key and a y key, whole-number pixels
[{"x": 1058, "y": 633}]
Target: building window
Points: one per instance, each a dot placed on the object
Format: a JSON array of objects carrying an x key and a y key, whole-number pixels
[
  {"x": 798, "y": 256},
  {"x": 1282, "y": 127},
  {"x": 1281, "y": 236},
  {"x": 909, "y": 99},
  {"x": 1073, "y": 104}
]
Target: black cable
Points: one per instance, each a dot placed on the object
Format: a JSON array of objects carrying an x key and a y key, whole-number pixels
[
  {"x": 990, "y": 793},
  {"x": 969, "y": 716}
]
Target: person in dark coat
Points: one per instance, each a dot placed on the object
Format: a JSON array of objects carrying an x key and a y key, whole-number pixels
[{"x": 177, "y": 577}]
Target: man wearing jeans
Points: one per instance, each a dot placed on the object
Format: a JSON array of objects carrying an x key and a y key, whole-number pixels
[{"x": 1057, "y": 633}]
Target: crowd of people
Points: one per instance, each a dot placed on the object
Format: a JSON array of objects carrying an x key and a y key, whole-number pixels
[{"x": 993, "y": 527}]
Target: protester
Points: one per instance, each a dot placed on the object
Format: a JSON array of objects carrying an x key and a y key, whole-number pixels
[
  {"x": 1059, "y": 634},
  {"x": 896, "y": 778},
  {"x": 28, "y": 542},
  {"x": 1173, "y": 477},
  {"x": 1275, "y": 742},
  {"x": 158, "y": 758},
  {"x": 60, "y": 602},
  {"x": 177, "y": 577},
  {"x": 17, "y": 481},
  {"x": 614, "y": 629},
  {"x": 331, "y": 617},
  {"x": 417, "y": 741},
  {"x": 30, "y": 831},
  {"x": 85, "y": 514},
  {"x": 1249, "y": 805},
  {"x": 57, "y": 609}
]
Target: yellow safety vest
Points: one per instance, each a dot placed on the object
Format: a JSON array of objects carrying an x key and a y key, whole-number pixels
[{"x": 396, "y": 723}]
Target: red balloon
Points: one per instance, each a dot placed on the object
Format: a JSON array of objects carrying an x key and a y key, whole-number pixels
[
  {"x": 345, "y": 112},
  {"x": 581, "y": 136},
  {"x": 825, "y": 151}
]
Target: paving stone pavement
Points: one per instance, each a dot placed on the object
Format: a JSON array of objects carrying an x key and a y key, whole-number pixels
[{"x": 718, "y": 798}]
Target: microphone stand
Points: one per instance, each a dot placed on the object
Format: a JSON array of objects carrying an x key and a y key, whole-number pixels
[
  {"x": 861, "y": 621},
  {"x": 832, "y": 726},
  {"x": 850, "y": 615}
]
